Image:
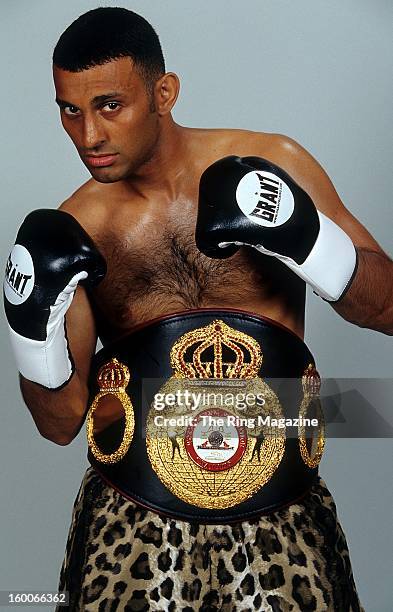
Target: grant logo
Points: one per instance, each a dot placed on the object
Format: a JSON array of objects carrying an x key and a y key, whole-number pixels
[
  {"x": 19, "y": 275},
  {"x": 264, "y": 198}
]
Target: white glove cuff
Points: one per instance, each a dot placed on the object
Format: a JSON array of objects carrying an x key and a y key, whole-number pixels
[
  {"x": 46, "y": 362},
  {"x": 331, "y": 264}
]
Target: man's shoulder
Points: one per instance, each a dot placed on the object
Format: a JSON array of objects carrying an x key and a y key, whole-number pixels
[
  {"x": 277, "y": 148},
  {"x": 266, "y": 143},
  {"x": 88, "y": 204},
  {"x": 285, "y": 152},
  {"x": 274, "y": 146}
]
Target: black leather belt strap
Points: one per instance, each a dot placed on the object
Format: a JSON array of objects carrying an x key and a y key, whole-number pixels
[{"x": 146, "y": 352}]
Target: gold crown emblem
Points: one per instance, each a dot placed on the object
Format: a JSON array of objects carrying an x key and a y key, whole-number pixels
[
  {"x": 311, "y": 381},
  {"x": 216, "y": 351},
  {"x": 113, "y": 375}
]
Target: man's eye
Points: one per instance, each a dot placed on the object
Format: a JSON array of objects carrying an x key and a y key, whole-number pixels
[
  {"x": 71, "y": 110},
  {"x": 111, "y": 106}
]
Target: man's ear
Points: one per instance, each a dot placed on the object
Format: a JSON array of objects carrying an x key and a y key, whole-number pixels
[{"x": 166, "y": 91}]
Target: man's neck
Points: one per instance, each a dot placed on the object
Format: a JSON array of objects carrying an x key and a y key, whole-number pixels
[{"x": 163, "y": 171}]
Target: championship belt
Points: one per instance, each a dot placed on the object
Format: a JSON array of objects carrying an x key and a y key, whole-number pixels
[{"x": 215, "y": 447}]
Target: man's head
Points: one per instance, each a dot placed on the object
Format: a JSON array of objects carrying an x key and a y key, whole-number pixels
[{"x": 112, "y": 90}]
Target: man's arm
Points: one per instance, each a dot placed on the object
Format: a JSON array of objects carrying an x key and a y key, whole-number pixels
[
  {"x": 50, "y": 269},
  {"x": 369, "y": 299},
  {"x": 59, "y": 415}
]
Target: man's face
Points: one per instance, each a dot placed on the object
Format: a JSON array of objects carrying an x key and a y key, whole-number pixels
[{"x": 107, "y": 113}]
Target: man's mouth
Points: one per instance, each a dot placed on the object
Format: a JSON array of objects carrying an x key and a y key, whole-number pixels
[{"x": 99, "y": 161}]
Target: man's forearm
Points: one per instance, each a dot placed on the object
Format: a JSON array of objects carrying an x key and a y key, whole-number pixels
[
  {"x": 58, "y": 415},
  {"x": 369, "y": 300}
]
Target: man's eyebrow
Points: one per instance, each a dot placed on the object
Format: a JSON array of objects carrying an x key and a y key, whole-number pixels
[
  {"x": 95, "y": 101},
  {"x": 61, "y": 102},
  {"x": 105, "y": 97}
]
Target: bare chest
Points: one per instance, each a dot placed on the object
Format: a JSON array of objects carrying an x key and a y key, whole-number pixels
[{"x": 156, "y": 269}]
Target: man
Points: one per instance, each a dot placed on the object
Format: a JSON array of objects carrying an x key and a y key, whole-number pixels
[{"x": 140, "y": 258}]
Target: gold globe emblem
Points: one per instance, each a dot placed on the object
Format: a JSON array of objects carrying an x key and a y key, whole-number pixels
[{"x": 216, "y": 360}]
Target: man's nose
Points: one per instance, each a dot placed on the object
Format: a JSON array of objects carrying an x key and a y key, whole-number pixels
[{"x": 93, "y": 134}]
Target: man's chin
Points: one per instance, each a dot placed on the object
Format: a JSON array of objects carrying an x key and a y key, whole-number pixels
[
  {"x": 106, "y": 175},
  {"x": 105, "y": 179}
]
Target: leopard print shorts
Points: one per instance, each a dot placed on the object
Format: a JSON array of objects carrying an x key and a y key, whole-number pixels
[{"x": 122, "y": 557}]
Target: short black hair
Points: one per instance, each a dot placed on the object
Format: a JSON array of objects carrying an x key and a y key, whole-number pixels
[{"x": 107, "y": 33}]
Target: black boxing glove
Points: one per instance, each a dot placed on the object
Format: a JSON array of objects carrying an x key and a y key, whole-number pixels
[
  {"x": 250, "y": 201},
  {"x": 51, "y": 255}
]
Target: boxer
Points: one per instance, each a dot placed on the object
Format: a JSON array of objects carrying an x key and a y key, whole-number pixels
[{"x": 176, "y": 227}]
